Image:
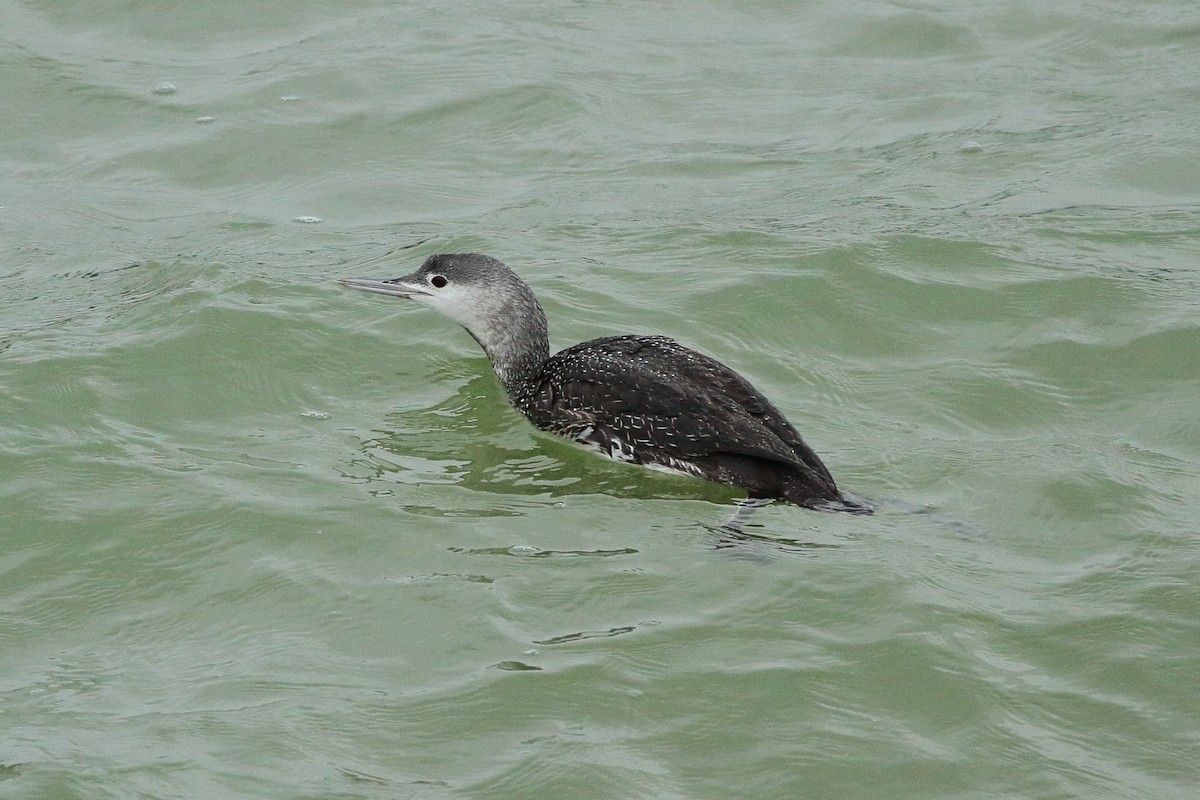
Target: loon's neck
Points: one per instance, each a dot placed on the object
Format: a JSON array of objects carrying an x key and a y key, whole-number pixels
[
  {"x": 514, "y": 336},
  {"x": 517, "y": 363}
]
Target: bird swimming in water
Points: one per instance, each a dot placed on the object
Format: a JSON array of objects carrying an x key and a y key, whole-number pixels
[{"x": 638, "y": 399}]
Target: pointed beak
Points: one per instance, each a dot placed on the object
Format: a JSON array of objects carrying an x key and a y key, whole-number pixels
[{"x": 396, "y": 287}]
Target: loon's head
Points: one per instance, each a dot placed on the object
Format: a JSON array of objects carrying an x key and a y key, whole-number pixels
[
  {"x": 481, "y": 294},
  {"x": 465, "y": 287}
]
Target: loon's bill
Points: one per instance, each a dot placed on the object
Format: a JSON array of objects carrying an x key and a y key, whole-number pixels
[{"x": 390, "y": 288}]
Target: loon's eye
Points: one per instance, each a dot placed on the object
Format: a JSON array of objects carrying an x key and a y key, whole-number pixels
[{"x": 438, "y": 281}]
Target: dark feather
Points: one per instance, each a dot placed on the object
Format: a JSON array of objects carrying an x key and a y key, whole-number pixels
[{"x": 667, "y": 405}]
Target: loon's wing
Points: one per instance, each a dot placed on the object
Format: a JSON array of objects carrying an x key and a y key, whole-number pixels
[
  {"x": 702, "y": 370},
  {"x": 662, "y": 397}
]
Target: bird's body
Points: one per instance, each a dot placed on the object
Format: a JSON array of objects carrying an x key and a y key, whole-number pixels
[{"x": 638, "y": 399}]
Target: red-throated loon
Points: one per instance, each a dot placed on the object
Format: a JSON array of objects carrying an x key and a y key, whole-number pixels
[{"x": 639, "y": 399}]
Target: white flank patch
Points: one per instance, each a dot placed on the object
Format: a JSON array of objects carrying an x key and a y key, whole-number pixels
[
  {"x": 686, "y": 470},
  {"x": 619, "y": 451}
]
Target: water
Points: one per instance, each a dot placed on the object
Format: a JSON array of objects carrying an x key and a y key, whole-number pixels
[{"x": 263, "y": 537}]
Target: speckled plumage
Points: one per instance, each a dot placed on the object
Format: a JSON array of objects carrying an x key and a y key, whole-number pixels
[{"x": 639, "y": 399}]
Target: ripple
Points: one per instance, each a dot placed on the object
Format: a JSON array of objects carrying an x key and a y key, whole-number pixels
[{"x": 207, "y": 587}]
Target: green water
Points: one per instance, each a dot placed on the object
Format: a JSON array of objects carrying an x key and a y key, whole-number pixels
[{"x": 263, "y": 537}]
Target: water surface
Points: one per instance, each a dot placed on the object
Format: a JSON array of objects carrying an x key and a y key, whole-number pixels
[{"x": 266, "y": 538}]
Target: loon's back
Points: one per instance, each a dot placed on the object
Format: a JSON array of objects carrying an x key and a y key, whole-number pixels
[{"x": 650, "y": 400}]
